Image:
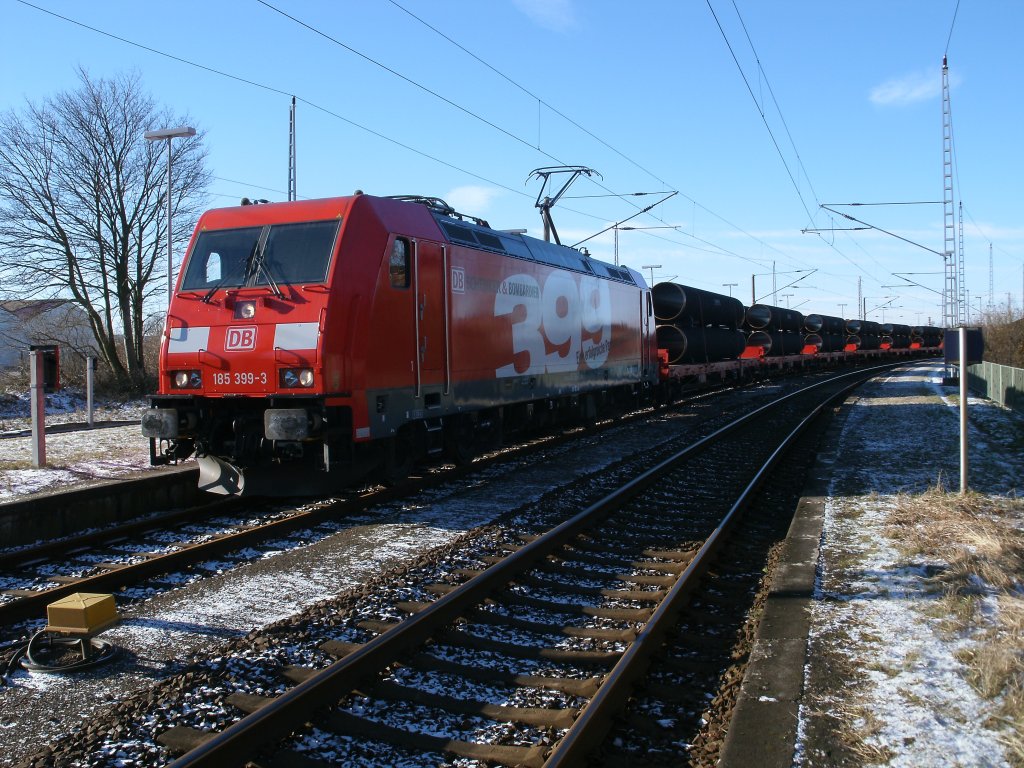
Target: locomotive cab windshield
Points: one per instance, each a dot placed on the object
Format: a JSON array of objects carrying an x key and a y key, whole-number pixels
[{"x": 272, "y": 255}]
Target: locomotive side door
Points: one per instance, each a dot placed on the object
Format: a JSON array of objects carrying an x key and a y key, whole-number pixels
[{"x": 433, "y": 355}]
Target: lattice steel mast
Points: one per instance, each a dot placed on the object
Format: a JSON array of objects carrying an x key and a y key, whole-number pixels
[{"x": 950, "y": 297}]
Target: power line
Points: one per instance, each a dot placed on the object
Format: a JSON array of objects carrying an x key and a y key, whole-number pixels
[
  {"x": 764, "y": 119},
  {"x": 760, "y": 111},
  {"x": 529, "y": 93},
  {"x": 272, "y": 89},
  {"x": 254, "y": 186},
  {"x": 715, "y": 248},
  {"x": 594, "y": 136},
  {"x": 951, "y": 25},
  {"x": 776, "y": 102},
  {"x": 502, "y": 130},
  {"x": 408, "y": 80}
]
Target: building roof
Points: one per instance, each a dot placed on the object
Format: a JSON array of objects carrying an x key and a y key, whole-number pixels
[{"x": 26, "y": 309}]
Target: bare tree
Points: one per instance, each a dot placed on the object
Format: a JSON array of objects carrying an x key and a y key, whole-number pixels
[
  {"x": 1004, "y": 335},
  {"x": 82, "y": 208}
]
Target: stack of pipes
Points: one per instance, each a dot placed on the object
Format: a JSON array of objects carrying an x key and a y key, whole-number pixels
[{"x": 697, "y": 326}]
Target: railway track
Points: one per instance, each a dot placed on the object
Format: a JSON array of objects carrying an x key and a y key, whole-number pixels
[
  {"x": 113, "y": 559},
  {"x": 531, "y": 651}
]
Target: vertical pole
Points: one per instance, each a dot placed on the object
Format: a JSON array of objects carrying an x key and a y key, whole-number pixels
[
  {"x": 38, "y": 398},
  {"x": 291, "y": 154},
  {"x": 90, "y": 368},
  {"x": 753, "y": 290},
  {"x": 170, "y": 288},
  {"x": 963, "y": 409}
]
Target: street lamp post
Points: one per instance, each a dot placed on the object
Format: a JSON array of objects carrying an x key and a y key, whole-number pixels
[
  {"x": 730, "y": 286},
  {"x": 169, "y": 133}
]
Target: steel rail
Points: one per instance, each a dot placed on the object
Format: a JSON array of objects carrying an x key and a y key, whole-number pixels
[
  {"x": 591, "y": 726},
  {"x": 32, "y": 606},
  {"x": 28, "y": 606},
  {"x": 289, "y": 711}
]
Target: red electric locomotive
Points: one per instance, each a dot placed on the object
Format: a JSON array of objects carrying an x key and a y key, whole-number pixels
[{"x": 333, "y": 338}]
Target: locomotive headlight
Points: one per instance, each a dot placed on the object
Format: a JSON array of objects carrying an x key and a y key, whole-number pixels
[
  {"x": 186, "y": 380},
  {"x": 245, "y": 310},
  {"x": 294, "y": 378}
]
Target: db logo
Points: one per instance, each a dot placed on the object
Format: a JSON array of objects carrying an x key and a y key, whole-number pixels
[
  {"x": 458, "y": 280},
  {"x": 240, "y": 338}
]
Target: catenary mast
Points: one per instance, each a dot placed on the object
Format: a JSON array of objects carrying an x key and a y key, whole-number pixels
[{"x": 950, "y": 298}]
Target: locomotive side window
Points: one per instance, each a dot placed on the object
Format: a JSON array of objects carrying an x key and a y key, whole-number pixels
[{"x": 399, "y": 264}]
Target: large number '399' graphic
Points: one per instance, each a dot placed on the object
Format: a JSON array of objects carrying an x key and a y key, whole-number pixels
[{"x": 564, "y": 324}]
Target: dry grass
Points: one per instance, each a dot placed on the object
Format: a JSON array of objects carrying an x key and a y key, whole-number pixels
[
  {"x": 980, "y": 543},
  {"x": 855, "y": 739},
  {"x": 975, "y": 536}
]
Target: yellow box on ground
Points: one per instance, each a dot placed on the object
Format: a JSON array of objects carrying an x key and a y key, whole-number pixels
[{"x": 81, "y": 613}]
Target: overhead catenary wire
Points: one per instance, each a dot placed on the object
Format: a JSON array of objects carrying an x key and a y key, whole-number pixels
[
  {"x": 597, "y": 138},
  {"x": 771, "y": 133},
  {"x": 529, "y": 93},
  {"x": 775, "y": 101},
  {"x": 714, "y": 247},
  {"x": 760, "y": 110},
  {"x": 272, "y": 89},
  {"x": 951, "y": 25},
  {"x": 508, "y": 133}
]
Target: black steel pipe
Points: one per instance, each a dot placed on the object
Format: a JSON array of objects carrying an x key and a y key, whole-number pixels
[
  {"x": 674, "y": 302},
  {"x": 764, "y": 317},
  {"x": 832, "y": 342},
  {"x": 813, "y": 343},
  {"x": 785, "y": 343},
  {"x": 760, "y": 339},
  {"x": 700, "y": 345},
  {"x": 824, "y": 324}
]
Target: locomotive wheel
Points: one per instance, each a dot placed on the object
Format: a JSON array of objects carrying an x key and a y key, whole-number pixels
[
  {"x": 460, "y": 441},
  {"x": 399, "y": 458}
]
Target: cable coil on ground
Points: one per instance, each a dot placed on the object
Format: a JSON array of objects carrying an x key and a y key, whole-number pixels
[{"x": 56, "y": 655}]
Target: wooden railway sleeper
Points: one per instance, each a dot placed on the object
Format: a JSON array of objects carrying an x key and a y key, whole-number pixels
[
  {"x": 573, "y": 686},
  {"x": 560, "y": 567},
  {"x": 634, "y": 595},
  {"x": 518, "y": 651},
  {"x": 633, "y": 615},
  {"x": 535, "y": 716},
  {"x": 630, "y": 615},
  {"x": 389, "y": 691},
  {"x": 345, "y": 723},
  {"x": 676, "y": 565},
  {"x": 591, "y": 633}
]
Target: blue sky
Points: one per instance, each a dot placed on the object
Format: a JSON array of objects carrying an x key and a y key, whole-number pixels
[{"x": 651, "y": 95}]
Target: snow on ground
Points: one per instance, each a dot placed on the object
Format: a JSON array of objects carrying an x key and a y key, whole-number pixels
[
  {"x": 71, "y": 457},
  {"x": 883, "y": 664}
]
